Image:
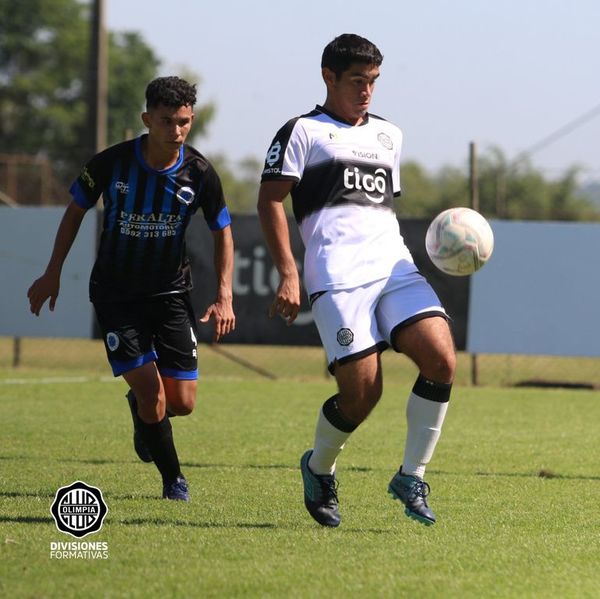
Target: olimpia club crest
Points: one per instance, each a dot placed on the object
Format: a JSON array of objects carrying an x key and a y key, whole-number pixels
[{"x": 79, "y": 509}]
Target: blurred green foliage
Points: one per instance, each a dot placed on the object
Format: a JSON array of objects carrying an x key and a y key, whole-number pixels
[
  {"x": 512, "y": 190},
  {"x": 44, "y": 51}
]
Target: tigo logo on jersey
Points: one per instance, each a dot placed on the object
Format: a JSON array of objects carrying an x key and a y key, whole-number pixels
[
  {"x": 354, "y": 179},
  {"x": 185, "y": 195}
]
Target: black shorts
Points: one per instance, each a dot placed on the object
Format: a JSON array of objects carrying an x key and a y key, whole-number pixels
[{"x": 159, "y": 329}]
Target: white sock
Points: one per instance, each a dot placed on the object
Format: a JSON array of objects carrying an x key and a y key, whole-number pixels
[
  {"x": 329, "y": 442},
  {"x": 424, "y": 418}
]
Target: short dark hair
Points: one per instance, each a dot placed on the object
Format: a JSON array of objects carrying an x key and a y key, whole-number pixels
[
  {"x": 349, "y": 48},
  {"x": 170, "y": 91}
]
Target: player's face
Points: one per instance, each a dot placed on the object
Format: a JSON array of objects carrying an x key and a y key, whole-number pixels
[
  {"x": 168, "y": 127},
  {"x": 350, "y": 94}
]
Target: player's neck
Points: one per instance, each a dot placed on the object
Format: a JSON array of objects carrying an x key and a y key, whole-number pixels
[
  {"x": 338, "y": 112},
  {"x": 156, "y": 157}
]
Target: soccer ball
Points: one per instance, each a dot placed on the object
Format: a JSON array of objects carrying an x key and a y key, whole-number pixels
[{"x": 459, "y": 241}]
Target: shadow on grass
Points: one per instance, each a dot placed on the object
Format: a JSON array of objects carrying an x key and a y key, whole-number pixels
[
  {"x": 242, "y": 525},
  {"x": 35, "y": 494},
  {"x": 148, "y": 521},
  {"x": 106, "y": 461},
  {"x": 158, "y": 522},
  {"x": 539, "y": 474},
  {"x": 267, "y": 467},
  {"x": 27, "y": 519},
  {"x": 188, "y": 524},
  {"x": 93, "y": 461}
]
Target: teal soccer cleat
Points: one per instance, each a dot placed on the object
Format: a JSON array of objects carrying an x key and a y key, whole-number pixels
[
  {"x": 412, "y": 492},
  {"x": 320, "y": 494}
]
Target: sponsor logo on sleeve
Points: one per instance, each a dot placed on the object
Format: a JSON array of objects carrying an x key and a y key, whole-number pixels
[
  {"x": 273, "y": 154},
  {"x": 87, "y": 178}
]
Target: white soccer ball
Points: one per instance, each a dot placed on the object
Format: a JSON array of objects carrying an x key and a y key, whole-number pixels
[{"x": 459, "y": 241}]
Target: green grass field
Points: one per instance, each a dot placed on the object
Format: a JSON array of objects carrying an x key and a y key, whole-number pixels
[{"x": 503, "y": 530}]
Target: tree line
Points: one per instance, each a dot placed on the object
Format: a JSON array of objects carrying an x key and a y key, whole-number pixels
[{"x": 43, "y": 97}]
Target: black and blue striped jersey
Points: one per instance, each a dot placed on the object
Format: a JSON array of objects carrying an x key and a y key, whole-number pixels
[{"x": 146, "y": 212}]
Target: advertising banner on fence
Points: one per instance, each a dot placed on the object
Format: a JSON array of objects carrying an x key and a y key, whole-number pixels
[
  {"x": 255, "y": 282},
  {"x": 27, "y": 235}
]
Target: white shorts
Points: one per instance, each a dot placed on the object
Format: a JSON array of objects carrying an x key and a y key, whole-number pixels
[{"x": 356, "y": 322}]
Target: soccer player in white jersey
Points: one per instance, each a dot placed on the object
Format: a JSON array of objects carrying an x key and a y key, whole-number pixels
[{"x": 340, "y": 164}]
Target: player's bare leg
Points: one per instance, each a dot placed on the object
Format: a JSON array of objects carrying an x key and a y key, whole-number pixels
[
  {"x": 180, "y": 396},
  {"x": 429, "y": 344}
]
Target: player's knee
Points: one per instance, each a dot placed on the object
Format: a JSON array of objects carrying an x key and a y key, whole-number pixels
[
  {"x": 358, "y": 402},
  {"x": 182, "y": 408},
  {"x": 441, "y": 368},
  {"x": 182, "y": 405}
]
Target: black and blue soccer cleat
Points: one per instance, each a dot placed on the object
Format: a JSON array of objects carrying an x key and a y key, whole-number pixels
[
  {"x": 320, "y": 494},
  {"x": 412, "y": 492},
  {"x": 176, "y": 490}
]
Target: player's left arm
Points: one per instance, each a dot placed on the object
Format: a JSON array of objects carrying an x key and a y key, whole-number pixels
[{"x": 222, "y": 308}]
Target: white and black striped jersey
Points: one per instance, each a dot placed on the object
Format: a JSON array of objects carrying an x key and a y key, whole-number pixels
[{"x": 347, "y": 177}]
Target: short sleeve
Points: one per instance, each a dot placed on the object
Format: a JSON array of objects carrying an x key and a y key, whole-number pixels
[
  {"x": 397, "y": 188},
  {"x": 212, "y": 201},
  {"x": 92, "y": 180},
  {"x": 287, "y": 154}
]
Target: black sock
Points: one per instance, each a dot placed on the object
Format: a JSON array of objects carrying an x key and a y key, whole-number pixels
[
  {"x": 158, "y": 437},
  {"x": 332, "y": 412}
]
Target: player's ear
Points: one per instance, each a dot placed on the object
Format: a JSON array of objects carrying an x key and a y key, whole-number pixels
[
  {"x": 146, "y": 119},
  {"x": 328, "y": 76}
]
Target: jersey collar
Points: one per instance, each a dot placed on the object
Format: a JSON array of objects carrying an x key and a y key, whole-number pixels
[
  {"x": 140, "y": 156},
  {"x": 335, "y": 117}
]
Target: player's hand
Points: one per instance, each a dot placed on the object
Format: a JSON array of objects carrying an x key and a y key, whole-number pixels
[
  {"x": 222, "y": 312},
  {"x": 287, "y": 300},
  {"x": 47, "y": 286}
]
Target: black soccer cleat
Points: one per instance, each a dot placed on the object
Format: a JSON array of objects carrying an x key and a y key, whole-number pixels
[
  {"x": 412, "y": 492},
  {"x": 138, "y": 443},
  {"x": 320, "y": 494}
]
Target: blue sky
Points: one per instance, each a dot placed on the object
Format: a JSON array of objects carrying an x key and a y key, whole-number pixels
[{"x": 507, "y": 73}]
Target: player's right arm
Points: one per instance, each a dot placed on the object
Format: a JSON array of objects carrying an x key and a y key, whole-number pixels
[
  {"x": 48, "y": 285},
  {"x": 274, "y": 224}
]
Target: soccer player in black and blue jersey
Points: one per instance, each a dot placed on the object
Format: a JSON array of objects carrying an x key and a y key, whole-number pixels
[{"x": 139, "y": 285}]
